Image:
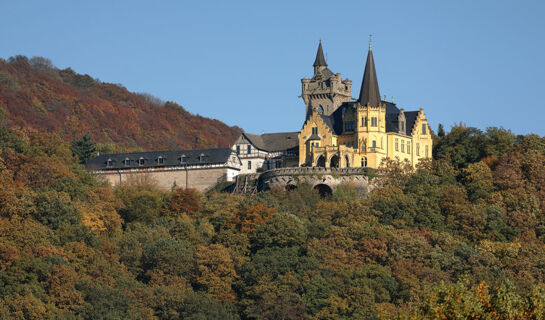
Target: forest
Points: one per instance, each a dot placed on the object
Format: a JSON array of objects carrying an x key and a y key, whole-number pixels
[
  {"x": 460, "y": 237},
  {"x": 38, "y": 95}
]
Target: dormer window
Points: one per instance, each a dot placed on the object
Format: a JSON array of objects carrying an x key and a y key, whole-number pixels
[
  {"x": 127, "y": 162},
  {"x": 160, "y": 160},
  {"x": 349, "y": 125},
  {"x": 183, "y": 159},
  {"x": 203, "y": 158},
  {"x": 141, "y": 161},
  {"x": 109, "y": 163}
]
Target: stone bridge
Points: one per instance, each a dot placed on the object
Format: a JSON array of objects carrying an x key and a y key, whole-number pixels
[{"x": 325, "y": 180}]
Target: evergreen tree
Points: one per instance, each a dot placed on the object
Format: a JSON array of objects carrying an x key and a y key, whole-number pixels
[
  {"x": 441, "y": 130},
  {"x": 84, "y": 148}
]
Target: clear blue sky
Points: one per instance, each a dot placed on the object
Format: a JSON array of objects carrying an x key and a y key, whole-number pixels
[{"x": 477, "y": 62}]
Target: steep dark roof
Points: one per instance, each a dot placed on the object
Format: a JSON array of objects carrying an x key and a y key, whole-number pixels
[
  {"x": 369, "y": 91},
  {"x": 171, "y": 158},
  {"x": 335, "y": 121},
  {"x": 392, "y": 121},
  {"x": 274, "y": 141},
  {"x": 410, "y": 118},
  {"x": 390, "y": 107},
  {"x": 320, "y": 60}
]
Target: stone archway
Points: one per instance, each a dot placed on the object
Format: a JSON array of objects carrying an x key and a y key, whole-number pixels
[
  {"x": 347, "y": 161},
  {"x": 324, "y": 190},
  {"x": 291, "y": 187},
  {"x": 321, "y": 161},
  {"x": 334, "y": 161}
]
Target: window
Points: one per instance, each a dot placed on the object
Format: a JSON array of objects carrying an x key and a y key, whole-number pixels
[
  {"x": 321, "y": 109},
  {"x": 423, "y": 128},
  {"x": 426, "y": 151},
  {"x": 141, "y": 161},
  {"x": 418, "y": 149},
  {"x": 238, "y": 149},
  {"x": 374, "y": 145},
  {"x": 109, "y": 163},
  {"x": 183, "y": 159},
  {"x": 364, "y": 162},
  {"x": 397, "y": 144},
  {"x": 160, "y": 160},
  {"x": 402, "y": 146},
  {"x": 408, "y": 147},
  {"x": 127, "y": 162},
  {"x": 349, "y": 125},
  {"x": 249, "y": 165},
  {"x": 374, "y": 121},
  {"x": 203, "y": 158},
  {"x": 249, "y": 148},
  {"x": 315, "y": 130}
]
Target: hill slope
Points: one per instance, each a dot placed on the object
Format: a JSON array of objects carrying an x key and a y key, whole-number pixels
[{"x": 37, "y": 95}]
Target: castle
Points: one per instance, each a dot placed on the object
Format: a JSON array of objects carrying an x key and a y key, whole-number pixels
[{"x": 338, "y": 132}]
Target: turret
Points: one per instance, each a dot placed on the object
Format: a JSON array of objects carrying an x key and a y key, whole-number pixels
[
  {"x": 369, "y": 92},
  {"x": 325, "y": 91}
]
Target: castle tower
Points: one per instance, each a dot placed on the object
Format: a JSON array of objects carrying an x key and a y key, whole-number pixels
[
  {"x": 325, "y": 91},
  {"x": 369, "y": 92},
  {"x": 371, "y": 133}
]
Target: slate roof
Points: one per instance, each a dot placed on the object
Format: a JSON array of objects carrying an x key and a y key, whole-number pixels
[
  {"x": 274, "y": 141},
  {"x": 320, "y": 60},
  {"x": 335, "y": 120},
  {"x": 369, "y": 91},
  {"x": 171, "y": 158}
]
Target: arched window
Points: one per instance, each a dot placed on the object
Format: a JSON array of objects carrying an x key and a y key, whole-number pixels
[
  {"x": 109, "y": 163},
  {"x": 203, "y": 158},
  {"x": 364, "y": 162},
  {"x": 160, "y": 160},
  {"x": 183, "y": 159},
  {"x": 320, "y": 110},
  {"x": 127, "y": 162},
  {"x": 141, "y": 161}
]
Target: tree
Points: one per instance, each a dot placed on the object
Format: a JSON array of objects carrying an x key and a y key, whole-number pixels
[
  {"x": 215, "y": 271},
  {"x": 441, "y": 130},
  {"x": 185, "y": 201},
  {"x": 84, "y": 148}
]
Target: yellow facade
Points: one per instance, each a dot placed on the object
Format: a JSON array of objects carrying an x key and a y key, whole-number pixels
[
  {"x": 366, "y": 143},
  {"x": 343, "y": 132}
]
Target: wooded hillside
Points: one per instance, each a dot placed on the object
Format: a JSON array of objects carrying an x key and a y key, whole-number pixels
[
  {"x": 461, "y": 237},
  {"x": 37, "y": 95}
]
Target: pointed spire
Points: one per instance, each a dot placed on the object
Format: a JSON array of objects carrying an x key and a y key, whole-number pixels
[
  {"x": 369, "y": 92},
  {"x": 320, "y": 60}
]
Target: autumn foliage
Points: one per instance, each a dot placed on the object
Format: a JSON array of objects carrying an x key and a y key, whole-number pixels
[
  {"x": 460, "y": 237},
  {"x": 35, "y": 94}
]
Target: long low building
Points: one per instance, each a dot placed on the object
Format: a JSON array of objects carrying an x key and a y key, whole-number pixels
[{"x": 200, "y": 169}]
